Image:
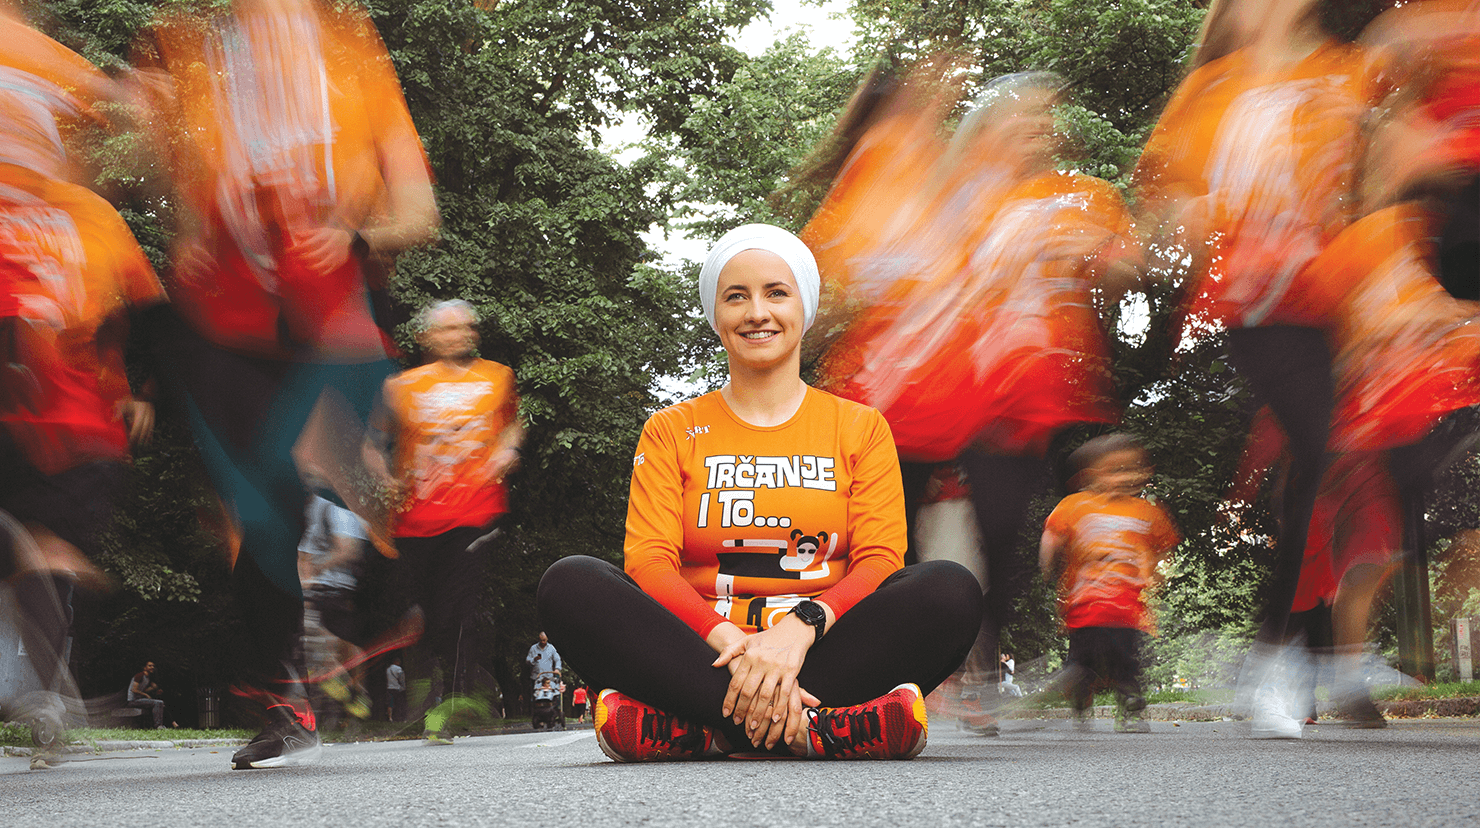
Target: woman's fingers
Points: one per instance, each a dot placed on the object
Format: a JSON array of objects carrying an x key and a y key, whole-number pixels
[
  {"x": 748, "y": 693},
  {"x": 732, "y": 693},
  {"x": 729, "y": 653},
  {"x": 796, "y": 713}
]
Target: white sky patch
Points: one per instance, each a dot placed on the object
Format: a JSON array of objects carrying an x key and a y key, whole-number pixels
[{"x": 824, "y": 22}]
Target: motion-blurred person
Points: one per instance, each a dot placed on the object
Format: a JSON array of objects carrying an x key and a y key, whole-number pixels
[
  {"x": 331, "y": 555},
  {"x": 143, "y": 693},
  {"x": 1106, "y": 542},
  {"x": 71, "y": 275},
  {"x": 1249, "y": 169},
  {"x": 442, "y": 440},
  {"x": 1407, "y": 364},
  {"x": 991, "y": 348},
  {"x": 297, "y": 166}
]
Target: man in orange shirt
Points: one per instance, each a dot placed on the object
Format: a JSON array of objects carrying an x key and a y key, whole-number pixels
[{"x": 450, "y": 431}]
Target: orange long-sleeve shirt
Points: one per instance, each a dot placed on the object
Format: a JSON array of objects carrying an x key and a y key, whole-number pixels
[{"x": 728, "y": 520}]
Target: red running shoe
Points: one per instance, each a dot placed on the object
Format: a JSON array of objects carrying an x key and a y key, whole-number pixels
[
  {"x": 630, "y": 731},
  {"x": 893, "y": 726}
]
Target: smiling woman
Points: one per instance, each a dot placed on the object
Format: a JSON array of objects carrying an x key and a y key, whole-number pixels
[{"x": 765, "y": 540}]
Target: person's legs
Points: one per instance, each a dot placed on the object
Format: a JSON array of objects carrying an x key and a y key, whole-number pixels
[
  {"x": 1001, "y": 490},
  {"x": 154, "y": 706},
  {"x": 1081, "y": 670},
  {"x": 445, "y": 573},
  {"x": 917, "y": 627},
  {"x": 1289, "y": 369},
  {"x": 1123, "y": 662}
]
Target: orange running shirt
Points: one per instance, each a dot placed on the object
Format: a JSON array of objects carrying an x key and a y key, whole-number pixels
[
  {"x": 46, "y": 90},
  {"x": 448, "y": 422},
  {"x": 998, "y": 342},
  {"x": 1267, "y": 161},
  {"x": 1112, "y": 544},
  {"x": 277, "y": 121},
  {"x": 1406, "y": 352},
  {"x": 84, "y": 266},
  {"x": 730, "y": 521}
]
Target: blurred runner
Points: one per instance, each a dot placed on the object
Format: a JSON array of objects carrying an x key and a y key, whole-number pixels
[
  {"x": 298, "y": 166},
  {"x": 453, "y": 430},
  {"x": 71, "y": 274},
  {"x": 1249, "y": 171},
  {"x": 981, "y": 342}
]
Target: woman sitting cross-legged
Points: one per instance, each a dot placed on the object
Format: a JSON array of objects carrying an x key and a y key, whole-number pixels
[{"x": 764, "y": 605}]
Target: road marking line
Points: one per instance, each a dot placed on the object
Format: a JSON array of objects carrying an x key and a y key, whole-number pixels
[{"x": 564, "y": 740}]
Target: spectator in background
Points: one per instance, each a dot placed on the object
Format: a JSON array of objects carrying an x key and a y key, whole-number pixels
[
  {"x": 543, "y": 659},
  {"x": 578, "y": 703},
  {"x": 395, "y": 691},
  {"x": 143, "y": 693},
  {"x": 1009, "y": 667}
]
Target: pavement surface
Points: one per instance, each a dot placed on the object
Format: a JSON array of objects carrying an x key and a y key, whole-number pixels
[{"x": 1039, "y": 772}]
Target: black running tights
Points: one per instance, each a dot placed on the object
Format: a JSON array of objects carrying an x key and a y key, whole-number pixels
[
  {"x": 1289, "y": 369},
  {"x": 916, "y": 627}
]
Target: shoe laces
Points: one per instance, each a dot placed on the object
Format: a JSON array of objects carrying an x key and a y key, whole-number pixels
[
  {"x": 844, "y": 730},
  {"x": 657, "y": 728}
]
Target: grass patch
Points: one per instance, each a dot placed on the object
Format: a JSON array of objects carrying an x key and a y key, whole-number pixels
[
  {"x": 1445, "y": 690},
  {"x": 15, "y": 734},
  {"x": 1106, "y": 698}
]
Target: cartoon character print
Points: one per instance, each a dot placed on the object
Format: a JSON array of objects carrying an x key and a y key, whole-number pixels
[{"x": 795, "y": 559}]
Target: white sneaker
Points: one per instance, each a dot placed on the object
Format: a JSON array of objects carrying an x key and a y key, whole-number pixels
[{"x": 1271, "y": 717}]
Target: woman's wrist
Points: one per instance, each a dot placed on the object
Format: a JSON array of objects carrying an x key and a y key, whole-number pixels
[{"x": 723, "y": 635}]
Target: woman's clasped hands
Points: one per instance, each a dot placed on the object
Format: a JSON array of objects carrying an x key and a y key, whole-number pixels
[{"x": 764, "y": 694}]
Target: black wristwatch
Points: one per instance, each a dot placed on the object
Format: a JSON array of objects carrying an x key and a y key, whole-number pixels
[{"x": 813, "y": 615}]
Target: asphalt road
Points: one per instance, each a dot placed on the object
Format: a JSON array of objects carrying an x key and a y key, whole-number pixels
[{"x": 1038, "y": 773}]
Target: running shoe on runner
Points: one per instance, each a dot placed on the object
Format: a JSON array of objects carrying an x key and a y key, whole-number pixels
[
  {"x": 893, "y": 726},
  {"x": 290, "y": 740},
  {"x": 1128, "y": 715},
  {"x": 629, "y": 731}
]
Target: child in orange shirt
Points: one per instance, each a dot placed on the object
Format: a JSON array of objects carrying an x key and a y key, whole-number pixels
[{"x": 1109, "y": 540}]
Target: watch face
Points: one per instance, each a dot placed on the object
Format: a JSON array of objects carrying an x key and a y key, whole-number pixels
[{"x": 811, "y": 612}]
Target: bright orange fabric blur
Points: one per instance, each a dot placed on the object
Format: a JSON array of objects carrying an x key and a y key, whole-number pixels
[
  {"x": 732, "y": 521},
  {"x": 1263, "y": 164},
  {"x": 1406, "y": 352},
  {"x": 47, "y": 90},
  {"x": 276, "y": 125},
  {"x": 448, "y": 423},
  {"x": 88, "y": 269},
  {"x": 996, "y": 341},
  {"x": 1112, "y": 544}
]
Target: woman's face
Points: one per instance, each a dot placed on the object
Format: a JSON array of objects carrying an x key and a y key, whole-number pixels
[{"x": 758, "y": 310}]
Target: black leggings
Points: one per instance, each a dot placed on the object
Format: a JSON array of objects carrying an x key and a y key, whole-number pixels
[
  {"x": 1111, "y": 653},
  {"x": 1289, "y": 369},
  {"x": 1002, "y": 489},
  {"x": 916, "y": 627}
]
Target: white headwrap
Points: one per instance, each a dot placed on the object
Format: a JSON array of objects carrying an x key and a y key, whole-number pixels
[{"x": 773, "y": 240}]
